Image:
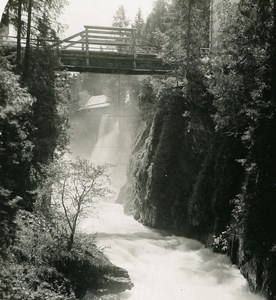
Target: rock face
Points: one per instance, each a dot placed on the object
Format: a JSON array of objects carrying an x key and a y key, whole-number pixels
[
  {"x": 163, "y": 170},
  {"x": 185, "y": 178},
  {"x": 93, "y": 274}
]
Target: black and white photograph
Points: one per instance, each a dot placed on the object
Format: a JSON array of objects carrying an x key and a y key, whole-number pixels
[{"x": 137, "y": 150}]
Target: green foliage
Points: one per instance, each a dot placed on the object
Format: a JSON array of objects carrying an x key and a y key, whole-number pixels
[
  {"x": 149, "y": 90},
  {"x": 139, "y": 24},
  {"x": 50, "y": 112},
  {"x": 36, "y": 239},
  {"x": 241, "y": 81},
  {"x": 38, "y": 265},
  {"x": 29, "y": 272},
  {"x": 20, "y": 282},
  {"x": 177, "y": 30},
  {"x": 15, "y": 129},
  {"x": 33, "y": 126},
  {"x": 43, "y": 15},
  {"x": 16, "y": 148},
  {"x": 155, "y": 21},
  {"x": 241, "y": 68},
  {"x": 220, "y": 242},
  {"x": 147, "y": 99}
]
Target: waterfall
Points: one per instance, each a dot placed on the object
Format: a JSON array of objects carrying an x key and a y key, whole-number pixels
[
  {"x": 112, "y": 147},
  {"x": 107, "y": 145}
]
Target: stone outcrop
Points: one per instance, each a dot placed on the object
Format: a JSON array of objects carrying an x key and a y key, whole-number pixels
[{"x": 166, "y": 161}]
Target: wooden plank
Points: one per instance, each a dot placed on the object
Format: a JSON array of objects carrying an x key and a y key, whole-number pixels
[
  {"x": 72, "y": 37},
  {"x": 23, "y": 38},
  {"x": 119, "y": 33},
  {"x": 110, "y": 28},
  {"x": 86, "y": 47},
  {"x": 103, "y": 58},
  {"x": 106, "y": 70},
  {"x": 117, "y": 38},
  {"x": 72, "y": 44},
  {"x": 111, "y": 54},
  {"x": 107, "y": 43}
]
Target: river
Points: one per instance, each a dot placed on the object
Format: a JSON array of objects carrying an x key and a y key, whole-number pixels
[{"x": 162, "y": 266}]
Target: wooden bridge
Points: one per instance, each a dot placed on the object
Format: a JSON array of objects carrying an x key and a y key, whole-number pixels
[
  {"x": 96, "y": 49},
  {"x": 109, "y": 50}
]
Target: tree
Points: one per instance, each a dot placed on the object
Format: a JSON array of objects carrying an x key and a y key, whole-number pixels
[
  {"x": 139, "y": 24},
  {"x": 19, "y": 28},
  {"x": 120, "y": 19},
  {"x": 155, "y": 20},
  {"x": 16, "y": 148},
  {"x": 32, "y": 119},
  {"x": 242, "y": 85},
  {"x": 75, "y": 187},
  {"x": 28, "y": 36}
]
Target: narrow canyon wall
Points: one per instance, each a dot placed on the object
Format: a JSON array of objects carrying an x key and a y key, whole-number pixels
[{"x": 184, "y": 178}]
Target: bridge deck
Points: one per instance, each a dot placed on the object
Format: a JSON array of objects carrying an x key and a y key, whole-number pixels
[{"x": 111, "y": 62}]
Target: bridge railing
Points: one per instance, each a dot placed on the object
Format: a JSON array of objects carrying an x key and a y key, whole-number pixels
[
  {"x": 96, "y": 38},
  {"x": 101, "y": 39},
  {"x": 92, "y": 38}
]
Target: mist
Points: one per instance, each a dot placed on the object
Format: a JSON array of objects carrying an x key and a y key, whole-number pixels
[{"x": 103, "y": 121}]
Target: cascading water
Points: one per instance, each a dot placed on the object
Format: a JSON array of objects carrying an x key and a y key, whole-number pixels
[
  {"x": 161, "y": 266},
  {"x": 110, "y": 148},
  {"x": 106, "y": 148}
]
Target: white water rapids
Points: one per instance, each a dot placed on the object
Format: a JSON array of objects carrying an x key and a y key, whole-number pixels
[{"x": 161, "y": 266}]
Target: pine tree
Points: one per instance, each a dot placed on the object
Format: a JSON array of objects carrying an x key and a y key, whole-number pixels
[
  {"x": 120, "y": 19},
  {"x": 139, "y": 24}
]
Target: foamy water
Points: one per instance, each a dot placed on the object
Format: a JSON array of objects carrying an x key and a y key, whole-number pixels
[{"x": 161, "y": 266}]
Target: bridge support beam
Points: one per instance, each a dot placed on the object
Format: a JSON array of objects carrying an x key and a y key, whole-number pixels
[{"x": 86, "y": 46}]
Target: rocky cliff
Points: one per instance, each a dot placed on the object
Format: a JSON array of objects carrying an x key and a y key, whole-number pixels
[{"x": 187, "y": 179}]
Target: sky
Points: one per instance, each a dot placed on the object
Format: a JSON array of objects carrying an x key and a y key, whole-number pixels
[
  {"x": 99, "y": 12},
  {"x": 95, "y": 12},
  {"x": 2, "y": 6}
]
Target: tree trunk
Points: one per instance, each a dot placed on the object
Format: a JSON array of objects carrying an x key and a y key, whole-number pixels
[
  {"x": 188, "y": 39},
  {"x": 28, "y": 38},
  {"x": 19, "y": 28},
  {"x": 71, "y": 240},
  {"x": 274, "y": 55},
  {"x": 188, "y": 51}
]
